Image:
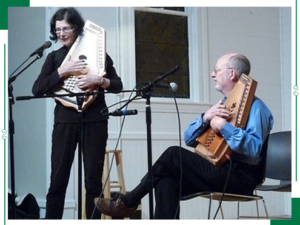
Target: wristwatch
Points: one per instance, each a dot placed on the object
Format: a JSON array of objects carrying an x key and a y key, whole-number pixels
[{"x": 102, "y": 81}]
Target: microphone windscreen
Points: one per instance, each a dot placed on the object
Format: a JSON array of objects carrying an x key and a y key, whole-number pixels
[
  {"x": 174, "y": 86},
  {"x": 48, "y": 44}
]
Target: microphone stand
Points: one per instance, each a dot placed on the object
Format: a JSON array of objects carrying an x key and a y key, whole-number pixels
[
  {"x": 146, "y": 92},
  {"x": 11, "y": 128},
  {"x": 80, "y": 100}
]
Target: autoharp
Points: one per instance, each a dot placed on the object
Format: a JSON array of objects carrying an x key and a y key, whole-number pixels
[
  {"x": 212, "y": 146},
  {"x": 91, "y": 48}
]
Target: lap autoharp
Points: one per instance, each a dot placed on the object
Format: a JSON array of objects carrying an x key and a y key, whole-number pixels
[
  {"x": 91, "y": 48},
  {"x": 212, "y": 146}
]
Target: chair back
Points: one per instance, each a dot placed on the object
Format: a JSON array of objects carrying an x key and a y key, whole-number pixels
[
  {"x": 279, "y": 156},
  {"x": 262, "y": 167}
]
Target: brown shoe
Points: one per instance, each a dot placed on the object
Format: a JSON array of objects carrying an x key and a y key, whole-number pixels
[{"x": 114, "y": 207}]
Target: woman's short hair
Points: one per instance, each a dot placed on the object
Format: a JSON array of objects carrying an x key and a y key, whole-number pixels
[{"x": 72, "y": 16}]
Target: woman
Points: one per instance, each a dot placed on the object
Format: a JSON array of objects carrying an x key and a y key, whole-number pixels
[{"x": 66, "y": 25}]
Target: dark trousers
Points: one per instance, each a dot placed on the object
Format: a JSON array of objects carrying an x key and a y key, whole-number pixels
[
  {"x": 180, "y": 172},
  {"x": 64, "y": 142}
]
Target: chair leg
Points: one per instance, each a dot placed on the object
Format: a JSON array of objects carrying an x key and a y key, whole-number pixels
[
  {"x": 222, "y": 214},
  {"x": 209, "y": 207},
  {"x": 265, "y": 206},
  {"x": 257, "y": 211},
  {"x": 238, "y": 210}
]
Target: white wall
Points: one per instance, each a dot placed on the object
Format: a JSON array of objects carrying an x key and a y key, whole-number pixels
[
  {"x": 286, "y": 77},
  {"x": 286, "y": 67},
  {"x": 26, "y": 34},
  {"x": 263, "y": 34}
]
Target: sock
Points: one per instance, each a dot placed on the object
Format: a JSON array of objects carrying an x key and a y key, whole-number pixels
[{"x": 133, "y": 198}]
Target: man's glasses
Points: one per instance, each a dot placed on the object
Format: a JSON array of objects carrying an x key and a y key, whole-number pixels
[
  {"x": 65, "y": 30},
  {"x": 216, "y": 70}
]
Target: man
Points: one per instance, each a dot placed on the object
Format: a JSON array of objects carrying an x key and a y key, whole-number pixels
[{"x": 180, "y": 172}]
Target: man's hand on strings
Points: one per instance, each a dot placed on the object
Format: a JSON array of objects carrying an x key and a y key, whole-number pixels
[{"x": 218, "y": 110}]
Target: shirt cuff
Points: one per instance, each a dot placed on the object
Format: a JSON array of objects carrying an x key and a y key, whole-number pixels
[{"x": 227, "y": 130}]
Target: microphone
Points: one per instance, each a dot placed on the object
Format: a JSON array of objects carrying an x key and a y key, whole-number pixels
[
  {"x": 173, "y": 86},
  {"x": 174, "y": 69},
  {"x": 159, "y": 79},
  {"x": 121, "y": 113},
  {"x": 23, "y": 98},
  {"x": 40, "y": 50}
]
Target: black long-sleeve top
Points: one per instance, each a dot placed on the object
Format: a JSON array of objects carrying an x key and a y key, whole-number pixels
[{"x": 49, "y": 79}]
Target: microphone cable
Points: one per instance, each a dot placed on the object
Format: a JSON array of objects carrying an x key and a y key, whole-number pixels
[
  {"x": 116, "y": 104},
  {"x": 180, "y": 159},
  {"x": 225, "y": 186},
  {"x": 112, "y": 160}
]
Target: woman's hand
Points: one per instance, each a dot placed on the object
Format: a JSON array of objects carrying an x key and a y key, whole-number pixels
[
  {"x": 72, "y": 67},
  {"x": 88, "y": 81}
]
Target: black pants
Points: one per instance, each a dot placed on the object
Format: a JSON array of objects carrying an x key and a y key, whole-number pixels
[
  {"x": 180, "y": 172},
  {"x": 64, "y": 142}
]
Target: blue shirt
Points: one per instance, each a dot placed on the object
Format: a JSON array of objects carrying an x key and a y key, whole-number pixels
[{"x": 247, "y": 144}]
